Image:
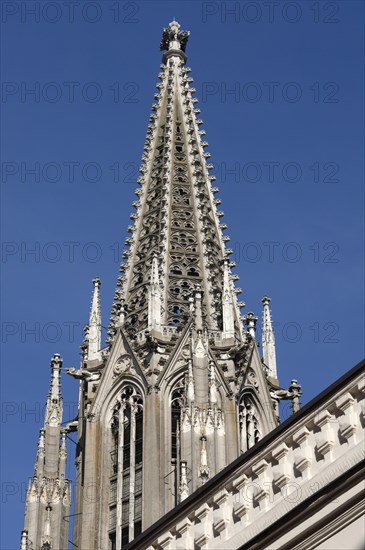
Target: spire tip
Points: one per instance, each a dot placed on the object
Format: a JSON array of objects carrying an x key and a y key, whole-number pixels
[{"x": 173, "y": 38}]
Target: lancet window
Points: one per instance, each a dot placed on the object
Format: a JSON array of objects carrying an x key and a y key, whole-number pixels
[
  {"x": 125, "y": 496},
  {"x": 177, "y": 403},
  {"x": 249, "y": 423}
]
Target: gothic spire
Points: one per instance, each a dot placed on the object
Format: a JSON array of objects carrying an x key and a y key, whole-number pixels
[
  {"x": 268, "y": 340},
  {"x": 182, "y": 381},
  {"x": 47, "y": 500},
  {"x": 94, "y": 330},
  {"x": 176, "y": 230}
]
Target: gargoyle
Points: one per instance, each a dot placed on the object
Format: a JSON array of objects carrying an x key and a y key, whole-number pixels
[{"x": 83, "y": 374}]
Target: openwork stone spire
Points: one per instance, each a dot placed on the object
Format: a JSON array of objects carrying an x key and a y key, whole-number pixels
[{"x": 176, "y": 228}]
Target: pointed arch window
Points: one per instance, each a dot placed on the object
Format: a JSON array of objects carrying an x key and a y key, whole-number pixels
[
  {"x": 125, "y": 497},
  {"x": 176, "y": 407},
  {"x": 249, "y": 423}
]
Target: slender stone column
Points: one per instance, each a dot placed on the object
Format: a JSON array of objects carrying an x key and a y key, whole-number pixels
[
  {"x": 132, "y": 470},
  {"x": 121, "y": 419}
]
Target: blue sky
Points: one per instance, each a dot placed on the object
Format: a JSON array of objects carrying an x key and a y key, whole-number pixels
[{"x": 280, "y": 91}]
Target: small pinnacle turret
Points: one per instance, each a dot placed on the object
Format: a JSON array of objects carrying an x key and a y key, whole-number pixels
[
  {"x": 48, "y": 496},
  {"x": 94, "y": 331},
  {"x": 227, "y": 303},
  {"x": 54, "y": 401},
  {"x": 268, "y": 340},
  {"x": 250, "y": 321}
]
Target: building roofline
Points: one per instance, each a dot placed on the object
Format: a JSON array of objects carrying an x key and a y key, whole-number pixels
[{"x": 183, "y": 508}]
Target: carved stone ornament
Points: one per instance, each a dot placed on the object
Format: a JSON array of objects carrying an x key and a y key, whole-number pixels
[
  {"x": 123, "y": 365},
  {"x": 53, "y": 417},
  {"x": 251, "y": 379}
]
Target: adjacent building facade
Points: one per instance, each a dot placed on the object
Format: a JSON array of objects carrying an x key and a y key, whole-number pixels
[
  {"x": 299, "y": 488},
  {"x": 182, "y": 390}
]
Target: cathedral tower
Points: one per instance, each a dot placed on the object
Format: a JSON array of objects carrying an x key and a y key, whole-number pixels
[{"x": 180, "y": 390}]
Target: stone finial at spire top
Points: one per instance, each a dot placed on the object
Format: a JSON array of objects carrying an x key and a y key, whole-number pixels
[
  {"x": 56, "y": 365},
  {"x": 173, "y": 38}
]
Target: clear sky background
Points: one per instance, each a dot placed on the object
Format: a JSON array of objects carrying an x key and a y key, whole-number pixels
[{"x": 292, "y": 131}]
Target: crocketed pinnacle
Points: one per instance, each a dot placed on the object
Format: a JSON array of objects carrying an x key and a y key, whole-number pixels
[
  {"x": 94, "y": 329},
  {"x": 268, "y": 340}
]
